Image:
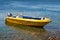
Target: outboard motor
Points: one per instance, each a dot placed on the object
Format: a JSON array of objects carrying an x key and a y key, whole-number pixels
[{"x": 9, "y": 14}]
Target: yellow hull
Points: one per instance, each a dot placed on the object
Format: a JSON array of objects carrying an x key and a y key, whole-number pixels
[{"x": 28, "y": 22}]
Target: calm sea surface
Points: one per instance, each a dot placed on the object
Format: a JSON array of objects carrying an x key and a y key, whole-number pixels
[{"x": 9, "y": 31}]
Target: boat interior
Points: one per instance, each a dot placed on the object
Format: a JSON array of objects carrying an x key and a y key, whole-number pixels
[{"x": 27, "y": 17}]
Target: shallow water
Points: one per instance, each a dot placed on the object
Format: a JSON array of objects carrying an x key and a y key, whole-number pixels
[{"x": 10, "y": 31}]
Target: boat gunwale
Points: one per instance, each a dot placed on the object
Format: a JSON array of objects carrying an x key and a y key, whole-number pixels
[{"x": 32, "y": 20}]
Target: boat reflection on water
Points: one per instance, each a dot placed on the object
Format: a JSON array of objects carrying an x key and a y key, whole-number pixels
[{"x": 37, "y": 33}]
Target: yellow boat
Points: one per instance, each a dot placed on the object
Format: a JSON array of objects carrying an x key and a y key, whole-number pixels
[{"x": 29, "y": 21}]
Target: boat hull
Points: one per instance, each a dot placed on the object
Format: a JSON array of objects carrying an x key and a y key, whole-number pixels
[{"x": 27, "y": 22}]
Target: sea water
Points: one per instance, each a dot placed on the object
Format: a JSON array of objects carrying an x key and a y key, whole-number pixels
[{"x": 9, "y": 31}]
